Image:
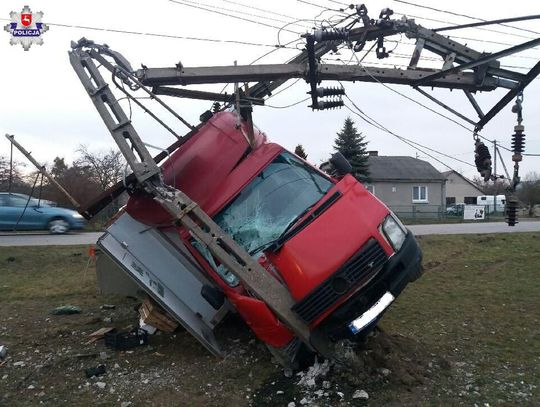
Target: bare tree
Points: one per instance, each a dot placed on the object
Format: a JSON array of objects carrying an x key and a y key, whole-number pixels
[
  {"x": 6, "y": 172},
  {"x": 492, "y": 187},
  {"x": 105, "y": 168}
]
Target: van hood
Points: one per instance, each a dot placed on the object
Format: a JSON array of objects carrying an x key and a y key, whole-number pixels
[{"x": 324, "y": 245}]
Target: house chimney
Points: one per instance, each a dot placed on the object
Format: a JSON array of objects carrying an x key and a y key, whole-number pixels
[{"x": 373, "y": 153}]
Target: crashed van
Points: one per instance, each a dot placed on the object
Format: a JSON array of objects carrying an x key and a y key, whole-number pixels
[{"x": 341, "y": 253}]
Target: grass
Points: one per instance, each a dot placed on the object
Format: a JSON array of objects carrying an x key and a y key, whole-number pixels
[
  {"x": 34, "y": 273},
  {"x": 476, "y": 307}
]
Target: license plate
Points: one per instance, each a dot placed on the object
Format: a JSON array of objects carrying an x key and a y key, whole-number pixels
[{"x": 371, "y": 314}]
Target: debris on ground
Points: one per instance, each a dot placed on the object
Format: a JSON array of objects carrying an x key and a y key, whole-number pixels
[
  {"x": 95, "y": 371},
  {"x": 360, "y": 394},
  {"x": 151, "y": 314},
  {"x": 318, "y": 370},
  {"x": 101, "y": 385},
  {"x": 99, "y": 334},
  {"x": 126, "y": 340},
  {"x": 3, "y": 351},
  {"x": 66, "y": 310},
  {"x": 107, "y": 306}
]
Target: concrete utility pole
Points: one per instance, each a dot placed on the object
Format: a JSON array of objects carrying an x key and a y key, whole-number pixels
[
  {"x": 495, "y": 177},
  {"x": 10, "y": 169},
  {"x": 41, "y": 168}
]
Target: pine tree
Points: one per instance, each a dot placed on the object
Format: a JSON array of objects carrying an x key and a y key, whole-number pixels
[
  {"x": 352, "y": 145},
  {"x": 300, "y": 152}
]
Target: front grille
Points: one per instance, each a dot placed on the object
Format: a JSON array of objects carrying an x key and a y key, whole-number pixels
[{"x": 368, "y": 261}]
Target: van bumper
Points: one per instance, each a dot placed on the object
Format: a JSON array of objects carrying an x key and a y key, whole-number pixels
[{"x": 402, "y": 268}]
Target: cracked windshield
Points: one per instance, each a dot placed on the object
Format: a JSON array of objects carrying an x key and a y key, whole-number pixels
[{"x": 269, "y": 203}]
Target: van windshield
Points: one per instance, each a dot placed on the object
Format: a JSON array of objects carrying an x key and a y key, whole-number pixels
[{"x": 270, "y": 202}]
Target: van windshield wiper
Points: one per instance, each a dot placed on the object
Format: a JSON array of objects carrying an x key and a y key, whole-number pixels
[
  {"x": 287, "y": 233},
  {"x": 292, "y": 230}
]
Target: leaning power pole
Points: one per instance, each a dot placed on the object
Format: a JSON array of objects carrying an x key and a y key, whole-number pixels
[{"x": 41, "y": 169}]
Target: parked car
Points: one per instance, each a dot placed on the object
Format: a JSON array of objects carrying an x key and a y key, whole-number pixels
[
  {"x": 38, "y": 215},
  {"x": 456, "y": 209}
]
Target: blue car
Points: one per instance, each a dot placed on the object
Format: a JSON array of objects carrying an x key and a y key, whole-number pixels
[{"x": 39, "y": 215}]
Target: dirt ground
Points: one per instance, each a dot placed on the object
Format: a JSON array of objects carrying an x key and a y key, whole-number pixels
[{"x": 467, "y": 333}]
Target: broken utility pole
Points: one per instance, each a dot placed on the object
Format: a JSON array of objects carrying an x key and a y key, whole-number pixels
[{"x": 42, "y": 170}]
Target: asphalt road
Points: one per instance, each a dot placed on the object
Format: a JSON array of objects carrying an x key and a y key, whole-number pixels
[{"x": 42, "y": 239}]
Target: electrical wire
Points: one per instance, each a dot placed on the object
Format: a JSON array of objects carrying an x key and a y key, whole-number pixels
[
  {"x": 183, "y": 3},
  {"x": 414, "y": 100},
  {"x": 198, "y": 3},
  {"x": 379, "y": 126},
  {"x": 404, "y": 140},
  {"x": 172, "y": 36},
  {"x": 462, "y": 15},
  {"x": 319, "y": 6},
  {"x": 292, "y": 104},
  {"x": 453, "y": 24},
  {"x": 260, "y": 9}
]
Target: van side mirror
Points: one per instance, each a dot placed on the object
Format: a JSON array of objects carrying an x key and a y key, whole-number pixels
[{"x": 341, "y": 165}]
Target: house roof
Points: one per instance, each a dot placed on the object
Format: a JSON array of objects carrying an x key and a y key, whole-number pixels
[
  {"x": 446, "y": 174},
  {"x": 402, "y": 168}
]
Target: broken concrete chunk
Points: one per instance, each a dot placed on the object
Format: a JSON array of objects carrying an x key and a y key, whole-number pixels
[
  {"x": 19, "y": 364},
  {"x": 101, "y": 385},
  {"x": 360, "y": 394}
]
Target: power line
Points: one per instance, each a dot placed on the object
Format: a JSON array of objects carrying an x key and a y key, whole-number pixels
[
  {"x": 379, "y": 126},
  {"x": 319, "y": 6},
  {"x": 260, "y": 9},
  {"x": 462, "y": 15},
  {"x": 230, "y": 15},
  {"x": 476, "y": 28},
  {"x": 242, "y": 12},
  {"x": 149, "y": 34},
  {"x": 404, "y": 140},
  {"x": 337, "y": 2},
  {"x": 292, "y": 104}
]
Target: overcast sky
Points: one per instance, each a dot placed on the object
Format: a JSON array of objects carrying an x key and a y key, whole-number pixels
[{"x": 43, "y": 103}]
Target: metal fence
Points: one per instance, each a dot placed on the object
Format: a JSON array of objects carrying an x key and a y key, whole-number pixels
[{"x": 423, "y": 213}]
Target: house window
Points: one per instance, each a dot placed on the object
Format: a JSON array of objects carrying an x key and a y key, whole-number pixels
[
  {"x": 450, "y": 200},
  {"x": 370, "y": 188},
  {"x": 470, "y": 200},
  {"x": 419, "y": 194}
]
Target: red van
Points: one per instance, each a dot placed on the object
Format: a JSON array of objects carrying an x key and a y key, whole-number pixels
[{"x": 342, "y": 254}]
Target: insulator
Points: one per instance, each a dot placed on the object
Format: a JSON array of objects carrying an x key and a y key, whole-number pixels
[
  {"x": 482, "y": 159},
  {"x": 518, "y": 140},
  {"x": 216, "y": 107},
  {"x": 361, "y": 10},
  {"x": 511, "y": 209},
  {"x": 334, "y": 35},
  {"x": 322, "y": 91},
  {"x": 328, "y": 104}
]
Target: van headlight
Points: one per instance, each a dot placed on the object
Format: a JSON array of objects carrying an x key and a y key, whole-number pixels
[
  {"x": 394, "y": 231},
  {"x": 77, "y": 215}
]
